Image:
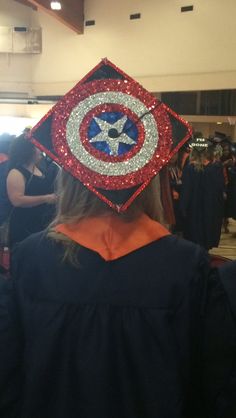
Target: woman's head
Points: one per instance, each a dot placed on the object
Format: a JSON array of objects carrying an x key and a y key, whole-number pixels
[
  {"x": 23, "y": 152},
  {"x": 77, "y": 202},
  {"x": 217, "y": 152},
  {"x": 199, "y": 157},
  {"x": 226, "y": 146}
]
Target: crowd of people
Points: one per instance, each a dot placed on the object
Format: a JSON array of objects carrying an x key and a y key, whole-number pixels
[
  {"x": 201, "y": 176},
  {"x": 104, "y": 312},
  {"x": 203, "y": 184}
]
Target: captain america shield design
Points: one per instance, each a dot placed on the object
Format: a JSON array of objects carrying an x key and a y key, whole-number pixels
[{"x": 112, "y": 136}]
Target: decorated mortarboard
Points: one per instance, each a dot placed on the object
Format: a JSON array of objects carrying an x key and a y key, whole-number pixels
[{"x": 111, "y": 134}]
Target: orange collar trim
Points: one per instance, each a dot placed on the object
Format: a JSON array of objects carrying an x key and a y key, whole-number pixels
[{"x": 111, "y": 236}]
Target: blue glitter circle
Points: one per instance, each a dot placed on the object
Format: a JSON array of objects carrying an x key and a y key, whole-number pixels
[{"x": 111, "y": 117}]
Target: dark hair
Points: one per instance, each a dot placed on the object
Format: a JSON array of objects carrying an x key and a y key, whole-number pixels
[
  {"x": 5, "y": 142},
  {"x": 21, "y": 152}
]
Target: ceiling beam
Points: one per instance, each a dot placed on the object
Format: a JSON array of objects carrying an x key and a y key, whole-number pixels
[
  {"x": 71, "y": 13},
  {"x": 27, "y": 3}
]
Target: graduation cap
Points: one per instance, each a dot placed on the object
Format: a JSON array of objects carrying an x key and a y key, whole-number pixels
[
  {"x": 220, "y": 135},
  {"x": 111, "y": 134},
  {"x": 200, "y": 144}
]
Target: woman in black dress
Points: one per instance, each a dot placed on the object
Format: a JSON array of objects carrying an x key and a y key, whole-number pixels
[{"x": 29, "y": 191}]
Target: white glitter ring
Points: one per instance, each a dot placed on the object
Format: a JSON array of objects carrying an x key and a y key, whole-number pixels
[{"x": 135, "y": 163}]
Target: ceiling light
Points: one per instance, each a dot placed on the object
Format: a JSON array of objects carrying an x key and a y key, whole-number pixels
[
  {"x": 219, "y": 123},
  {"x": 55, "y": 5}
]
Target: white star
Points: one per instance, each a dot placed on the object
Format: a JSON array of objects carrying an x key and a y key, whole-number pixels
[{"x": 115, "y": 129}]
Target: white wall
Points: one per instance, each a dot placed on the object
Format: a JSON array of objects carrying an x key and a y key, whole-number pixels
[
  {"x": 15, "y": 70},
  {"x": 166, "y": 50},
  {"x": 208, "y": 129}
]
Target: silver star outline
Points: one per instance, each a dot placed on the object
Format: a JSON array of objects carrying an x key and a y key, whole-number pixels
[{"x": 113, "y": 143}]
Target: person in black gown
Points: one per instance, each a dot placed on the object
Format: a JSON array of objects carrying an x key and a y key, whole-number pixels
[
  {"x": 228, "y": 162},
  {"x": 175, "y": 174},
  {"x": 219, "y": 353},
  {"x": 107, "y": 305},
  {"x": 230, "y": 168},
  {"x": 202, "y": 196}
]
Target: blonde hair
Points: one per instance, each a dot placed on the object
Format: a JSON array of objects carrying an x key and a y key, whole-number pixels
[
  {"x": 218, "y": 152},
  {"x": 199, "y": 157},
  {"x": 76, "y": 202}
]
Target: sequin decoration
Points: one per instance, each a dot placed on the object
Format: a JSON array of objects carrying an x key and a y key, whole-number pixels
[
  {"x": 101, "y": 150},
  {"x": 111, "y": 134},
  {"x": 108, "y": 168}
]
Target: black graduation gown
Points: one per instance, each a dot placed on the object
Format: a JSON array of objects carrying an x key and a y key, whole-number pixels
[
  {"x": 127, "y": 341},
  {"x": 175, "y": 185},
  {"x": 110, "y": 339},
  {"x": 202, "y": 204},
  {"x": 10, "y": 378},
  {"x": 5, "y": 204},
  {"x": 219, "y": 347},
  {"x": 231, "y": 193}
]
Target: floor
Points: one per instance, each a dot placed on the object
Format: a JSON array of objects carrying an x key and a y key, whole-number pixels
[{"x": 227, "y": 247}]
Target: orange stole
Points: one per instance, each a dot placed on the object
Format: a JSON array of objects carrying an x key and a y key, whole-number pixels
[{"x": 111, "y": 236}]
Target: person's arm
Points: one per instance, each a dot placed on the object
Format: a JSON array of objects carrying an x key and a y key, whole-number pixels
[{"x": 16, "y": 192}]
